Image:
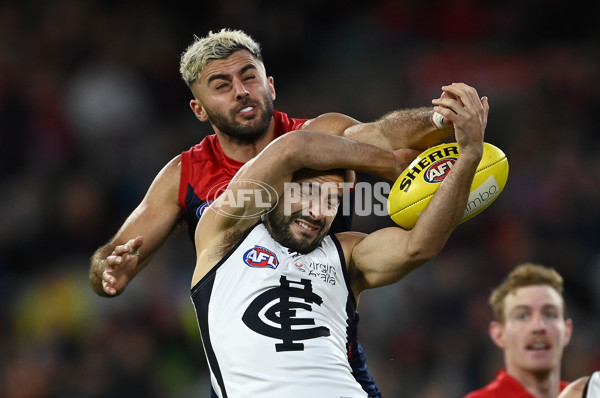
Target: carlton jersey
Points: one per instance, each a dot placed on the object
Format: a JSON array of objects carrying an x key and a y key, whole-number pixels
[
  {"x": 276, "y": 324},
  {"x": 505, "y": 386},
  {"x": 592, "y": 387}
]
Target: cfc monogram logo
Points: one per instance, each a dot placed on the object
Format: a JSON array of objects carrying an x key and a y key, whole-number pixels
[{"x": 279, "y": 310}]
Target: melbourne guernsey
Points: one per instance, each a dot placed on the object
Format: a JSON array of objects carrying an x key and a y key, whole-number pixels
[{"x": 275, "y": 323}]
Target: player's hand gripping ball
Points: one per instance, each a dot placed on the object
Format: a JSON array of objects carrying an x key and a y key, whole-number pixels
[{"x": 415, "y": 187}]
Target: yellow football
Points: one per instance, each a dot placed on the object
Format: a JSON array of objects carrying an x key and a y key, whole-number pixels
[{"x": 415, "y": 187}]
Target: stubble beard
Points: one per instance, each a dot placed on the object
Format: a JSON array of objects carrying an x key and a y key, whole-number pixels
[
  {"x": 240, "y": 132},
  {"x": 280, "y": 229}
]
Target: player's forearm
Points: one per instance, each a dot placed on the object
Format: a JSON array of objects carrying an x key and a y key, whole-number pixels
[
  {"x": 325, "y": 151},
  {"x": 446, "y": 208},
  {"x": 405, "y": 128}
]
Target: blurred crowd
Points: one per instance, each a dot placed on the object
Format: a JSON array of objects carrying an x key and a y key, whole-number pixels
[{"x": 92, "y": 106}]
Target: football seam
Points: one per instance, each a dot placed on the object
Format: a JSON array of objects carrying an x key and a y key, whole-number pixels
[
  {"x": 490, "y": 165},
  {"x": 415, "y": 203}
]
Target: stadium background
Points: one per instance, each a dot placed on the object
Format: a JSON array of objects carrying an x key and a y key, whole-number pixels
[{"x": 92, "y": 106}]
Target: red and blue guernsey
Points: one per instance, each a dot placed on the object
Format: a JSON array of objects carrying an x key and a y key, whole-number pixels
[
  {"x": 205, "y": 167},
  {"x": 507, "y": 387}
]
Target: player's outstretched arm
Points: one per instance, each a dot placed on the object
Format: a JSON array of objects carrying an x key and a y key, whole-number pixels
[
  {"x": 114, "y": 264},
  {"x": 387, "y": 255},
  {"x": 402, "y": 129},
  {"x": 409, "y": 129}
]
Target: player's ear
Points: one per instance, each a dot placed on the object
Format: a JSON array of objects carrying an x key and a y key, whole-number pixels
[
  {"x": 496, "y": 331},
  {"x": 271, "y": 81},
  {"x": 198, "y": 110},
  {"x": 568, "y": 330}
]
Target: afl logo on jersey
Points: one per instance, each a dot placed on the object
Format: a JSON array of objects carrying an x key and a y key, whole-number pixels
[
  {"x": 438, "y": 171},
  {"x": 260, "y": 257}
]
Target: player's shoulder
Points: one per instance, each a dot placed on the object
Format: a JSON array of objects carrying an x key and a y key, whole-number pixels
[
  {"x": 575, "y": 389},
  {"x": 210, "y": 143},
  {"x": 495, "y": 388},
  {"x": 350, "y": 237},
  {"x": 348, "y": 240},
  {"x": 174, "y": 165},
  {"x": 331, "y": 122},
  {"x": 284, "y": 123},
  {"x": 208, "y": 150},
  {"x": 170, "y": 174},
  {"x": 503, "y": 385}
]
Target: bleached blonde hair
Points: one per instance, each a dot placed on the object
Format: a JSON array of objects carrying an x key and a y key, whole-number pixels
[{"x": 214, "y": 46}]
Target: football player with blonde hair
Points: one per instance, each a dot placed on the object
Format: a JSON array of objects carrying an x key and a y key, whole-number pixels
[
  {"x": 232, "y": 91},
  {"x": 531, "y": 329}
]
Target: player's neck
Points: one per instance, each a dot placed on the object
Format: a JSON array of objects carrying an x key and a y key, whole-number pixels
[
  {"x": 243, "y": 151},
  {"x": 540, "y": 385}
]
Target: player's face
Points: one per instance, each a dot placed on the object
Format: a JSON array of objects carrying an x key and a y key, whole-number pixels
[
  {"x": 236, "y": 96},
  {"x": 535, "y": 331},
  {"x": 302, "y": 219}
]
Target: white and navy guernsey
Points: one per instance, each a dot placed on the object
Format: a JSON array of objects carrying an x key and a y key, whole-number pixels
[
  {"x": 592, "y": 387},
  {"x": 275, "y": 323}
]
